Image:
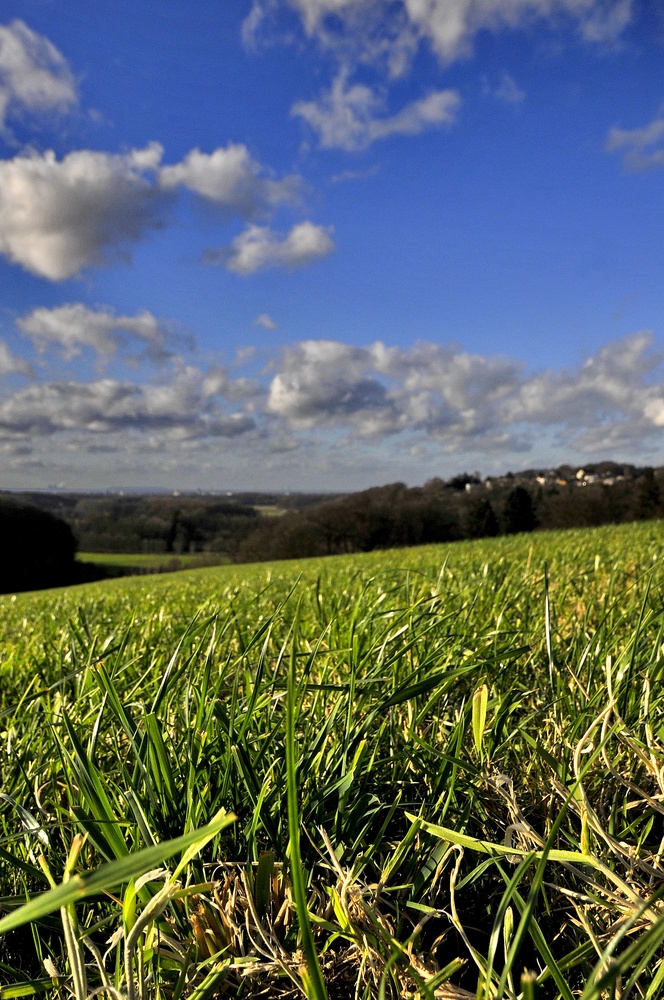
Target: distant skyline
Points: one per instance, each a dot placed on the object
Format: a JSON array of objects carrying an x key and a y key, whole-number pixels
[{"x": 326, "y": 244}]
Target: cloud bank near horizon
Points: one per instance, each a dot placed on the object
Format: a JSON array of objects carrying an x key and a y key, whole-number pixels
[{"x": 314, "y": 394}]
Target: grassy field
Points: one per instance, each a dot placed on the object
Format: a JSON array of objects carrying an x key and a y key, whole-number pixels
[
  {"x": 428, "y": 773},
  {"x": 151, "y": 562}
]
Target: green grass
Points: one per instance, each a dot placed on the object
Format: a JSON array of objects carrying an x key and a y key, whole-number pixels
[
  {"x": 371, "y": 776},
  {"x": 269, "y": 510},
  {"x": 153, "y": 561}
]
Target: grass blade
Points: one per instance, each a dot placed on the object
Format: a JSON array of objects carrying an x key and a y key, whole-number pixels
[{"x": 113, "y": 874}]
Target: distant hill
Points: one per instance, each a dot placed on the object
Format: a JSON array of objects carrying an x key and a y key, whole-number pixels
[
  {"x": 252, "y": 526},
  {"x": 463, "y": 507},
  {"x": 163, "y": 523}
]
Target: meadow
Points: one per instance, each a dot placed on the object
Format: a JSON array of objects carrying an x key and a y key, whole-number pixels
[
  {"x": 434, "y": 772},
  {"x": 127, "y": 564}
]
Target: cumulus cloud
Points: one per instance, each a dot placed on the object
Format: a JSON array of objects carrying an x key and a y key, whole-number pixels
[
  {"x": 73, "y": 327},
  {"x": 641, "y": 147},
  {"x": 351, "y": 116},
  {"x": 380, "y": 390},
  {"x": 323, "y": 382},
  {"x": 391, "y": 30},
  {"x": 58, "y": 217},
  {"x": 232, "y": 179},
  {"x": 441, "y": 396},
  {"x": 468, "y": 401},
  {"x": 613, "y": 385},
  {"x": 259, "y": 247},
  {"x": 179, "y": 407},
  {"x": 34, "y": 75}
]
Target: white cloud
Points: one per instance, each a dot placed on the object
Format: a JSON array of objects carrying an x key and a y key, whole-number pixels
[
  {"x": 351, "y": 116},
  {"x": 327, "y": 394},
  {"x": 470, "y": 402},
  {"x": 322, "y": 382},
  {"x": 379, "y": 390},
  {"x": 451, "y": 25},
  {"x": 266, "y": 322},
  {"x": 180, "y": 408},
  {"x": 74, "y": 327},
  {"x": 641, "y": 147},
  {"x": 390, "y": 30},
  {"x": 232, "y": 179},
  {"x": 259, "y": 247},
  {"x": 34, "y": 75},
  {"x": 217, "y": 382},
  {"x": 614, "y": 383},
  {"x": 59, "y": 216},
  {"x": 10, "y": 364}
]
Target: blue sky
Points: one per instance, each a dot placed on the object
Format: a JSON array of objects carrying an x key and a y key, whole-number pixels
[{"x": 325, "y": 244}]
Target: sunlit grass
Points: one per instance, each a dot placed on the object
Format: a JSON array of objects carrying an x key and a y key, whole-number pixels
[{"x": 446, "y": 766}]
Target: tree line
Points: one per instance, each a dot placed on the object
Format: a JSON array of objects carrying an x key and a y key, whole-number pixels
[
  {"x": 462, "y": 508},
  {"x": 162, "y": 523},
  {"x": 41, "y": 533}
]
